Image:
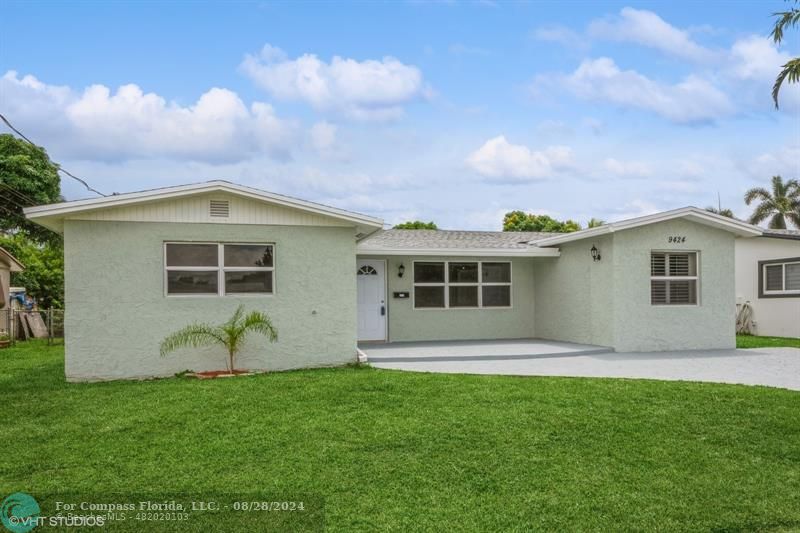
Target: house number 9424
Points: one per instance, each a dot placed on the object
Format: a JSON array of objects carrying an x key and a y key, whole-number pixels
[{"x": 676, "y": 238}]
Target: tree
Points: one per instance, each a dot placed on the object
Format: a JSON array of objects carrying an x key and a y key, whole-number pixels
[
  {"x": 43, "y": 277},
  {"x": 790, "y": 71},
  {"x": 780, "y": 204},
  {"x": 231, "y": 334},
  {"x": 416, "y": 224},
  {"x": 721, "y": 211},
  {"x": 521, "y": 221},
  {"x": 27, "y": 177},
  {"x": 595, "y": 223}
]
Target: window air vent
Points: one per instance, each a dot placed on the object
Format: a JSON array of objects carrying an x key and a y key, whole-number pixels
[{"x": 219, "y": 208}]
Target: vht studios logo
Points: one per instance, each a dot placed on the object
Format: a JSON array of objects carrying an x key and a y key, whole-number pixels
[{"x": 19, "y": 513}]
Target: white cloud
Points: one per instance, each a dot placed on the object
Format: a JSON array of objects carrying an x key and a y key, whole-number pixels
[
  {"x": 129, "y": 123},
  {"x": 561, "y": 35},
  {"x": 627, "y": 169},
  {"x": 648, "y": 29},
  {"x": 633, "y": 209},
  {"x": 783, "y": 161},
  {"x": 501, "y": 160},
  {"x": 370, "y": 89},
  {"x": 323, "y": 137},
  {"x": 679, "y": 186},
  {"x": 757, "y": 61},
  {"x": 692, "y": 100}
]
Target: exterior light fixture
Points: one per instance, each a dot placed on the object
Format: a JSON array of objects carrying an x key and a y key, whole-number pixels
[
  {"x": 595, "y": 253},
  {"x": 401, "y": 270}
]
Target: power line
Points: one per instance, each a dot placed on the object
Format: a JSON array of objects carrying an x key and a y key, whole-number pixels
[
  {"x": 19, "y": 194},
  {"x": 70, "y": 174}
]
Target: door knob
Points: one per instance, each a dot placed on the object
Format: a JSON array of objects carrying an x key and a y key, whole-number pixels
[{"x": 383, "y": 310}]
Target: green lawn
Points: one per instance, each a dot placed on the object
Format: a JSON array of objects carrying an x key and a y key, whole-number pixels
[
  {"x": 387, "y": 450},
  {"x": 754, "y": 341}
]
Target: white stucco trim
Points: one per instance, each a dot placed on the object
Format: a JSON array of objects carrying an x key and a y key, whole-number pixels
[
  {"x": 51, "y": 215},
  {"x": 461, "y": 252},
  {"x": 693, "y": 214}
]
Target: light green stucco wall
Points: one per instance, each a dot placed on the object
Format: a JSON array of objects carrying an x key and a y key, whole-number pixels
[
  {"x": 409, "y": 324},
  {"x": 608, "y": 302},
  {"x": 644, "y": 327},
  {"x": 117, "y": 314},
  {"x": 575, "y": 295}
]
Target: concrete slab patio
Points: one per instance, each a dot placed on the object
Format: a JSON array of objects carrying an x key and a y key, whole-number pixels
[{"x": 773, "y": 367}]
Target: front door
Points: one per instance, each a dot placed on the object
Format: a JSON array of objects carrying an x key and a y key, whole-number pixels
[{"x": 371, "y": 276}]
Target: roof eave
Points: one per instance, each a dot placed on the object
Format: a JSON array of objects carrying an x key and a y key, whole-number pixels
[
  {"x": 699, "y": 216},
  {"x": 461, "y": 252},
  {"x": 51, "y": 211},
  {"x": 13, "y": 262}
]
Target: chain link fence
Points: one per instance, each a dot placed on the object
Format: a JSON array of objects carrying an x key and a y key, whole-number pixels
[{"x": 19, "y": 325}]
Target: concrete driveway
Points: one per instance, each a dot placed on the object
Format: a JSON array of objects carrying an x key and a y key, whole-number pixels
[{"x": 773, "y": 367}]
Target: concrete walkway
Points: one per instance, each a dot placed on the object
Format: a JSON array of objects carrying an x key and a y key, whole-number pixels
[
  {"x": 773, "y": 367},
  {"x": 407, "y": 352}
]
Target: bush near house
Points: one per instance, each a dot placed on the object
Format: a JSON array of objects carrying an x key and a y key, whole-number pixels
[{"x": 390, "y": 450}]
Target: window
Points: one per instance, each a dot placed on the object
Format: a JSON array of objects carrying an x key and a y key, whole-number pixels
[
  {"x": 218, "y": 269},
  {"x": 780, "y": 278},
  {"x": 461, "y": 285},
  {"x": 673, "y": 278}
]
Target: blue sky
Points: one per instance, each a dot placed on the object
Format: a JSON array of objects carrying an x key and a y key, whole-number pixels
[{"x": 449, "y": 111}]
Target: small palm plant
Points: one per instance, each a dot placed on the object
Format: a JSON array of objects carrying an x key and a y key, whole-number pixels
[{"x": 231, "y": 334}]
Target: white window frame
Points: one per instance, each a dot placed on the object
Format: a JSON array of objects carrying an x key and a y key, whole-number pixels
[
  {"x": 696, "y": 278},
  {"x": 783, "y": 278},
  {"x": 220, "y": 269},
  {"x": 447, "y": 284}
]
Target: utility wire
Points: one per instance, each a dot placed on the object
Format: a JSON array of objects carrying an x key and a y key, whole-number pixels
[
  {"x": 60, "y": 169},
  {"x": 19, "y": 194}
]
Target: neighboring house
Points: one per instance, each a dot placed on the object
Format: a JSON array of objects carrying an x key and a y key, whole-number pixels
[
  {"x": 768, "y": 278},
  {"x": 8, "y": 264},
  {"x": 138, "y": 266}
]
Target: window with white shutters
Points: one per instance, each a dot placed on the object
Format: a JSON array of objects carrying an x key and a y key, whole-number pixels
[{"x": 673, "y": 278}]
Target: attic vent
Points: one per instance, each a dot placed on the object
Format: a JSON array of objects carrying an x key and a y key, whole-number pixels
[{"x": 219, "y": 208}]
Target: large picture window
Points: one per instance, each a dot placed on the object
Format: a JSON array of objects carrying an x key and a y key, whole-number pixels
[
  {"x": 779, "y": 278},
  {"x": 673, "y": 278},
  {"x": 218, "y": 269},
  {"x": 462, "y": 284}
]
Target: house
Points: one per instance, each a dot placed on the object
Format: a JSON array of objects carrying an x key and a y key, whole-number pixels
[
  {"x": 768, "y": 280},
  {"x": 140, "y": 265},
  {"x": 8, "y": 264}
]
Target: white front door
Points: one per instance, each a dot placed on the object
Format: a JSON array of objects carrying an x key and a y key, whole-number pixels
[{"x": 371, "y": 276}]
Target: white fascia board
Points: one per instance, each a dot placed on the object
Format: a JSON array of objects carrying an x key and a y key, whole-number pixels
[
  {"x": 77, "y": 206},
  {"x": 462, "y": 252},
  {"x": 694, "y": 214}
]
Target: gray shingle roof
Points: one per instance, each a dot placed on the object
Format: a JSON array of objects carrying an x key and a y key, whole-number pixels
[
  {"x": 782, "y": 233},
  {"x": 427, "y": 239}
]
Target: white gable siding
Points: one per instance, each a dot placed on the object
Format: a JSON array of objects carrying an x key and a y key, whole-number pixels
[{"x": 196, "y": 209}]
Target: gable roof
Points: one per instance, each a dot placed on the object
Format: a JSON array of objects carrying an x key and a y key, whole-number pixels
[
  {"x": 693, "y": 214},
  {"x": 51, "y": 216},
  {"x": 448, "y": 242},
  {"x": 10, "y": 260}
]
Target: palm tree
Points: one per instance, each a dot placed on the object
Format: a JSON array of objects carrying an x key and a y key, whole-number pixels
[
  {"x": 791, "y": 70},
  {"x": 231, "y": 334},
  {"x": 782, "y": 203},
  {"x": 720, "y": 211},
  {"x": 595, "y": 223}
]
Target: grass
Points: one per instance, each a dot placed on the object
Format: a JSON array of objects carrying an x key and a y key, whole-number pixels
[
  {"x": 388, "y": 450},
  {"x": 754, "y": 341}
]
